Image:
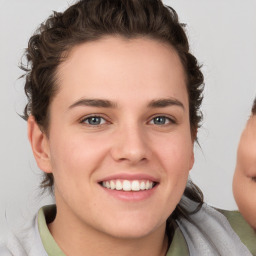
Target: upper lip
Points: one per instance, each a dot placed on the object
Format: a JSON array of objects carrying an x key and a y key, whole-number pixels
[{"x": 129, "y": 176}]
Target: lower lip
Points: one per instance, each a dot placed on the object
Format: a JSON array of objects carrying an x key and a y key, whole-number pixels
[{"x": 131, "y": 195}]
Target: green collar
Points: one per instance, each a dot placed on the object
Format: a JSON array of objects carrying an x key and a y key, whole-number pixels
[
  {"x": 47, "y": 213},
  {"x": 178, "y": 246},
  {"x": 242, "y": 228}
]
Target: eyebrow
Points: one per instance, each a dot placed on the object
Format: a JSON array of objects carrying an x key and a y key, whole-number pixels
[
  {"x": 93, "y": 103},
  {"x": 161, "y": 103},
  {"x": 101, "y": 103}
]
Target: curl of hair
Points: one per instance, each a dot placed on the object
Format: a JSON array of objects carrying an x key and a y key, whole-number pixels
[
  {"x": 254, "y": 107},
  {"x": 90, "y": 20}
]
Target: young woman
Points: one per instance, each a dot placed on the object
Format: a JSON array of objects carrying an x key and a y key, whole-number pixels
[
  {"x": 113, "y": 111},
  {"x": 244, "y": 186}
]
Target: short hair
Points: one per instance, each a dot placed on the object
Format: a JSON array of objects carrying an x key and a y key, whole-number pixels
[{"x": 91, "y": 20}]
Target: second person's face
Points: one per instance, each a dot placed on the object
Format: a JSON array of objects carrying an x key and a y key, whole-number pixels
[
  {"x": 244, "y": 183},
  {"x": 119, "y": 137}
]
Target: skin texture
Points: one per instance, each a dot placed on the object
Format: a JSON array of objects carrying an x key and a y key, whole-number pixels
[
  {"x": 244, "y": 182},
  {"x": 131, "y": 74}
]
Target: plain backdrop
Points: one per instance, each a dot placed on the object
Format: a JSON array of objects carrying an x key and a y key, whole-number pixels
[{"x": 222, "y": 36}]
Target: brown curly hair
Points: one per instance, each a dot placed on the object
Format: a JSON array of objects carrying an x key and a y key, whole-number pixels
[
  {"x": 90, "y": 20},
  {"x": 254, "y": 107}
]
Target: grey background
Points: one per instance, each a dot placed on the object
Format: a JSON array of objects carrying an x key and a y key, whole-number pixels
[{"x": 222, "y": 35}]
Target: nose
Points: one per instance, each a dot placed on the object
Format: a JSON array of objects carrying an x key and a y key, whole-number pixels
[{"x": 131, "y": 145}]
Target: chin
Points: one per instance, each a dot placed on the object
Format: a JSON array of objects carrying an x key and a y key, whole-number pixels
[
  {"x": 248, "y": 216},
  {"x": 252, "y": 223},
  {"x": 126, "y": 229}
]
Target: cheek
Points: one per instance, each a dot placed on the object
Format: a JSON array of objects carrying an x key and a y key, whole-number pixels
[
  {"x": 74, "y": 160},
  {"x": 247, "y": 205},
  {"x": 246, "y": 161},
  {"x": 176, "y": 158},
  {"x": 176, "y": 153},
  {"x": 244, "y": 192},
  {"x": 75, "y": 155}
]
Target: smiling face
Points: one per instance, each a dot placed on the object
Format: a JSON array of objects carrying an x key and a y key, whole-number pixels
[
  {"x": 244, "y": 183},
  {"x": 119, "y": 144}
]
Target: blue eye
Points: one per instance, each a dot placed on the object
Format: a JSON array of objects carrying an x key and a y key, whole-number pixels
[
  {"x": 161, "y": 120},
  {"x": 94, "y": 120}
]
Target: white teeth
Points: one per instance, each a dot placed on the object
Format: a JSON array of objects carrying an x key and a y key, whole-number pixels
[
  {"x": 147, "y": 185},
  {"x": 119, "y": 185},
  {"x": 126, "y": 185},
  {"x": 135, "y": 185},
  {"x": 112, "y": 184},
  {"x": 142, "y": 185}
]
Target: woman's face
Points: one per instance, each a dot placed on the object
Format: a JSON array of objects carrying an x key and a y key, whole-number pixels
[
  {"x": 119, "y": 144},
  {"x": 244, "y": 183}
]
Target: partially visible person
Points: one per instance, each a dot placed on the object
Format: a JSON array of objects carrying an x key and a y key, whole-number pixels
[{"x": 244, "y": 182}]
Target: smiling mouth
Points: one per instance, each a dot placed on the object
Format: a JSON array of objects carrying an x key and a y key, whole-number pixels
[{"x": 128, "y": 185}]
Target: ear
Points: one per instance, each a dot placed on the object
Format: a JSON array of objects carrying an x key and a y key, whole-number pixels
[
  {"x": 39, "y": 144},
  {"x": 192, "y": 160},
  {"x": 194, "y": 139}
]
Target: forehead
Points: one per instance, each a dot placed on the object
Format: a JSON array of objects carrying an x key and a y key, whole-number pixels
[{"x": 121, "y": 67}]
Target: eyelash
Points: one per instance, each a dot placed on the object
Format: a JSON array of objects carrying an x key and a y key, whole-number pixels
[
  {"x": 84, "y": 120},
  {"x": 166, "y": 118},
  {"x": 87, "y": 120}
]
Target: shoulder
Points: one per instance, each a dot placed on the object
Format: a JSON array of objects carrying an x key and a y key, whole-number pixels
[
  {"x": 209, "y": 232},
  {"x": 4, "y": 251},
  {"x": 246, "y": 234},
  {"x": 23, "y": 240},
  {"x": 12, "y": 246}
]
